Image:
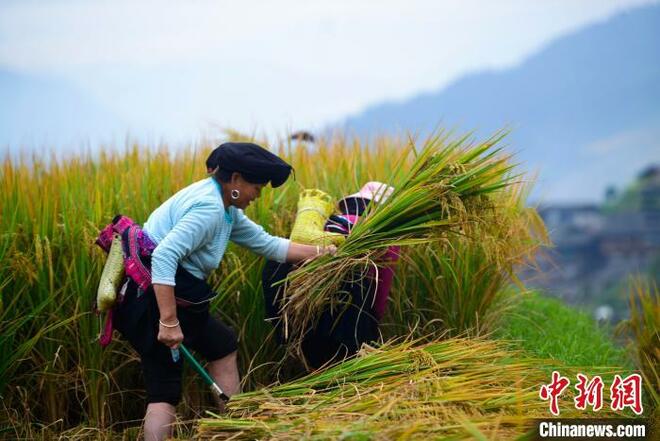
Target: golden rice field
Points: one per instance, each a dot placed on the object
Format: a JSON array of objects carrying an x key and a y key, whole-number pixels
[{"x": 439, "y": 375}]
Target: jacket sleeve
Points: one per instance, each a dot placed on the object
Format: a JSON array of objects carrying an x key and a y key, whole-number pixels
[
  {"x": 192, "y": 230},
  {"x": 252, "y": 236}
]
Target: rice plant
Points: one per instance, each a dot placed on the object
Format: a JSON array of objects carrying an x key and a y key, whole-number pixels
[
  {"x": 51, "y": 211},
  {"x": 456, "y": 285},
  {"x": 643, "y": 332}
]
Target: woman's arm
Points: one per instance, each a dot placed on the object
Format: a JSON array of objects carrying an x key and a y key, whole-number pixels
[
  {"x": 169, "y": 331},
  {"x": 252, "y": 236},
  {"x": 299, "y": 251},
  {"x": 247, "y": 233},
  {"x": 193, "y": 229}
]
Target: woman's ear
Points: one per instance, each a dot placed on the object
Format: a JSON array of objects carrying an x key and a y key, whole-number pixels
[{"x": 235, "y": 177}]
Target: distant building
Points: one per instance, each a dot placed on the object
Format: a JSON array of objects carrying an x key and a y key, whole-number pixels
[
  {"x": 567, "y": 218},
  {"x": 596, "y": 248}
]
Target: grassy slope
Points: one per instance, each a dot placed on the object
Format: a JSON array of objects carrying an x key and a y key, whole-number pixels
[{"x": 548, "y": 328}]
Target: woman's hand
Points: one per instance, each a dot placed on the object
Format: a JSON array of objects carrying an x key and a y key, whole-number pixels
[
  {"x": 330, "y": 249},
  {"x": 170, "y": 335}
]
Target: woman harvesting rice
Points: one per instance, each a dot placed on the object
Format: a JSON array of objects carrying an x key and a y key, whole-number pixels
[
  {"x": 190, "y": 232},
  {"x": 339, "y": 332}
]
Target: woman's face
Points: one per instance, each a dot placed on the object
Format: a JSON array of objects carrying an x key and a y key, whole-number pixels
[{"x": 248, "y": 191}]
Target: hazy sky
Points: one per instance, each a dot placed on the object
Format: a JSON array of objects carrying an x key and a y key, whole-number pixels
[{"x": 178, "y": 67}]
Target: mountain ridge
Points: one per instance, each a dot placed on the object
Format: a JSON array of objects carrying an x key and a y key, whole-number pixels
[{"x": 589, "y": 86}]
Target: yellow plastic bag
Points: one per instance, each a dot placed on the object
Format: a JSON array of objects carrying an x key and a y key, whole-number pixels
[
  {"x": 314, "y": 208},
  {"x": 112, "y": 276}
]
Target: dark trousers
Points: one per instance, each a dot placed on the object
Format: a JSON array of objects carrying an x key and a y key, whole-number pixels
[{"x": 137, "y": 320}]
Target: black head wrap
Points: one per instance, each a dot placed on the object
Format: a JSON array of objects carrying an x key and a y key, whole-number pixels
[{"x": 254, "y": 163}]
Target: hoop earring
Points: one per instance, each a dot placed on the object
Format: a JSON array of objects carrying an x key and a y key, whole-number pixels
[{"x": 235, "y": 194}]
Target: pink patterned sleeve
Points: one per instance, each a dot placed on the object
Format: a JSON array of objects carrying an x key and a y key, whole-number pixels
[{"x": 385, "y": 276}]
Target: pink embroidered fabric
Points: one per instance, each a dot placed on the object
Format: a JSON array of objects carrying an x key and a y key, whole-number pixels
[{"x": 136, "y": 243}]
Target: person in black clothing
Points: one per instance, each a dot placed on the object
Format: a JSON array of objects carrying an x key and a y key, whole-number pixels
[{"x": 339, "y": 333}]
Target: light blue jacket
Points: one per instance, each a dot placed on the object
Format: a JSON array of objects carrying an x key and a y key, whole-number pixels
[{"x": 193, "y": 228}]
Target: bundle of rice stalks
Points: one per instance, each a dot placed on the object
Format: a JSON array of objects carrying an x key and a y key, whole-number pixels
[
  {"x": 444, "y": 191},
  {"x": 455, "y": 389}
]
